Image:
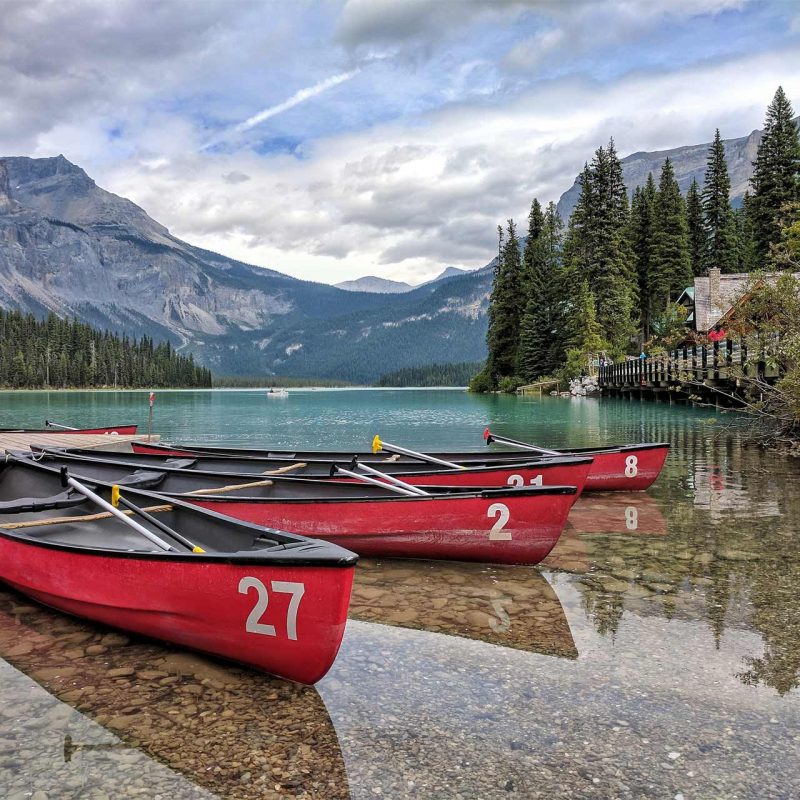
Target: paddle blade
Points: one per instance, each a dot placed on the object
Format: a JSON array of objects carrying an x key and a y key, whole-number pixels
[
  {"x": 377, "y": 444},
  {"x": 486, "y": 434},
  {"x": 197, "y": 549},
  {"x": 115, "y": 495}
]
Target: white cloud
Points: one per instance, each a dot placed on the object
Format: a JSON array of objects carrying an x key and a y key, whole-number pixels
[
  {"x": 405, "y": 170},
  {"x": 403, "y": 200}
]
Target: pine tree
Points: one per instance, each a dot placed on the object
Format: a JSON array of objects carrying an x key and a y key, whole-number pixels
[
  {"x": 505, "y": 308},
  {"x": 717, "y": 212},
  {"x": 598, "y": 247},
  {"x": 697, "y": 229},
  {"x": 642, "y": 236},
  {"x": 538, "y": 345},
  {"x": 776, "y": 174},
  {"x": 671, "y": 265}
]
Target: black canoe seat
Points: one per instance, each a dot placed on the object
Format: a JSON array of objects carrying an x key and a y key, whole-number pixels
[
  {"x": 143, "y": 479},
  {"x": 23, "y": 505},
  {"x": 180, "y": 463}
]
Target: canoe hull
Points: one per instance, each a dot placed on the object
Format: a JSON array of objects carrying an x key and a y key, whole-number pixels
[
  {"x": 213, "y": 608},
  {"x": 542, "y": 474},
  {"x": 498, "y": 528},
  {"x": 114, "y": 430},
  {"x": 619, "y": 468},
  {"x": 627, "y": 469}
]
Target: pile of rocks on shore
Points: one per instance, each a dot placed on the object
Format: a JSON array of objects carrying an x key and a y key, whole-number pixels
[{"x": 580, "y": 387}]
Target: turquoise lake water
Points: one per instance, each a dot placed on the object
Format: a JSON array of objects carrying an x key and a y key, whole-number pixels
[
  {"x": 340, "y": 418},
  {"x": 654, "y": 654}
]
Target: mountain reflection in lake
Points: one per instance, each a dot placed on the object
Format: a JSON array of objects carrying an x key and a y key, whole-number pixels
[{"x": 655, "y": 653}]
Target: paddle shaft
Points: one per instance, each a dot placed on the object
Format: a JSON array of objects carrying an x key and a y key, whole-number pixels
[
  {"x": 521, "y": 445},
  {"x": 49, "y": 424},
  {"x": 393, "y": 448},
  {"x": 392, "y": 479},
  {"x": 160, "y": 525},
  {"x": 97, "y": 500},
  {"x": 382, "y": 484}
]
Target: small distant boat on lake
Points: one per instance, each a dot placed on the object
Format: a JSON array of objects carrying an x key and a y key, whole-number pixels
[
  {"x": 53, "y": 427},
  {"x": 273, "y": 600},
  {"x": 277, "y": 393}
]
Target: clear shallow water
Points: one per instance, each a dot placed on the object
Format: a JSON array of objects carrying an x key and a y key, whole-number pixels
[{"x": 655, "y": 653}]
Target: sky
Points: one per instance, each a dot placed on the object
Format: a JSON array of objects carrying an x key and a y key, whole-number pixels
[{"x": 335, "y": 139}]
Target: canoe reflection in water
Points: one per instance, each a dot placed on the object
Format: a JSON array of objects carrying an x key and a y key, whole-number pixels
[
  {"x": 509, "y": 606},
  {"x": 633, "y": 513},
  {"x": 628, "y": 514},
  {"x": 235, "y": 732}
]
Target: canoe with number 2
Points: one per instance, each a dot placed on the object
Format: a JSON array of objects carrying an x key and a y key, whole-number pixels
[{"x": 502, "y": 526}]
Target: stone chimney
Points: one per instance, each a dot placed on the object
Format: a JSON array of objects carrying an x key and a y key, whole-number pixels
[{"x": 714, "y": 298}]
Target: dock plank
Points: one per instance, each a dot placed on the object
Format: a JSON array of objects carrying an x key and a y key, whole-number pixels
[{"x": 103, "y": 441}]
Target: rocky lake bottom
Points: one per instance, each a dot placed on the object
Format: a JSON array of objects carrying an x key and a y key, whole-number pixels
[{"x": 655, "y": 653}]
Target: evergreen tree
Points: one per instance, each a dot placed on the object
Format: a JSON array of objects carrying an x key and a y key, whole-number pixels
[
  {"x": 65, "y": 353},
  {"x": 671, "y": 264},
  {"x": 598, "y": 247},
  {"x": 505, "y": 308},
  {"x": 642, "y": 238},
  {"x": 717, "y": 212},
  {"x": 538, "y": 345},
  {"x": 697, "y": 229},
  {"x": 776, "y": 174}
]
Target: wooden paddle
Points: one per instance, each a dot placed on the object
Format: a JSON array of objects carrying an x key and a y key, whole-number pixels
[
  {"x": 491, "y": 437},
  {"x": 378, "y": 445},
  {"x": 396, "y": 486}
]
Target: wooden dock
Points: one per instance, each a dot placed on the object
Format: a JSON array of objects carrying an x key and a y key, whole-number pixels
[
  {"x": 708, "y": 373},
  {"x": 538, "y": 388},
  {"x": 103, "y": 441}
]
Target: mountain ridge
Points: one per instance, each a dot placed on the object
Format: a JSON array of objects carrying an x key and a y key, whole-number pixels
[
  {"x": 70, "y": 247},
  {"x": 689, "y": 163}
]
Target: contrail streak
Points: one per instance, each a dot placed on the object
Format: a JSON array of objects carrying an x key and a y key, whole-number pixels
[{"x": 298, "y": 97}]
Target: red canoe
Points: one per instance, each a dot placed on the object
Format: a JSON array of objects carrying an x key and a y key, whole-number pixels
[
  {"x": 498, "y": 526},
  {"x": 626, "y": 468},
  {"x": 565, "y": 471},
  {"x": 503, "y": 526},
  {"x": 616, "y": 468},
  {"x": 265, "y": 598}
]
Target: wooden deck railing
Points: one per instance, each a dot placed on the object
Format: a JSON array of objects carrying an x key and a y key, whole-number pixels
[{"x": 715, "y": 361}]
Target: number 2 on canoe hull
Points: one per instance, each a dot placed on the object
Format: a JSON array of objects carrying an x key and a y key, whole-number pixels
[
  {"x": 497, "y": 534},
  {"x": 254, "y": 623}
]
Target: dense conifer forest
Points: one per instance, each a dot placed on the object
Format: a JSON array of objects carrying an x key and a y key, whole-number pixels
[
  {"x": 62, "y": 353},
  {"x": 609, "y": 282},
  {"x": 431, "y": 375}
]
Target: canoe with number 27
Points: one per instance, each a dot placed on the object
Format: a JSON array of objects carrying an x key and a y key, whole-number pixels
[{"x": 269, "y": 599}]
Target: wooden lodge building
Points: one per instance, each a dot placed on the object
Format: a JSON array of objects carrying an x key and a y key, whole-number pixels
[{"x": 704, "y": 370}]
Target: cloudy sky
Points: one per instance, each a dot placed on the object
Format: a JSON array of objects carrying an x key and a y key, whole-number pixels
[{"x": 341, "y": 138}]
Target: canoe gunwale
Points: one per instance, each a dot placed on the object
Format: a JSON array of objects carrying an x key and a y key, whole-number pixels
[{"x": 279, "y": 556}]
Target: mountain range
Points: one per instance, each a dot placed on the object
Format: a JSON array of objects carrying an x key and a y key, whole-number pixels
[
  {"x": 70, "y": 247},
  {"x": 372, "y": 283},
  {"x": 689, "y": 163}
]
